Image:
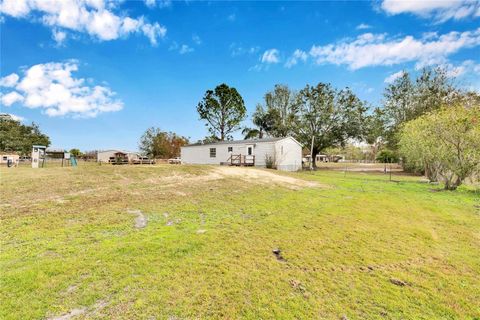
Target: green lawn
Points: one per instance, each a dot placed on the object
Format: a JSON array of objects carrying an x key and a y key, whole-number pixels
[{"x": 72, "y": 244}]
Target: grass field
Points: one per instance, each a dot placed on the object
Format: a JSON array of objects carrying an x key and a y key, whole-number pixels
[{"x": 196, "y": 242}]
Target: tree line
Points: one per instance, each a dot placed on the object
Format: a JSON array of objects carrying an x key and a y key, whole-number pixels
[
  {"x": 322, "y": 117},
  {"x": 19, "y": 138}
]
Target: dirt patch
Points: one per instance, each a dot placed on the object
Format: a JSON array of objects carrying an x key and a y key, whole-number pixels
[
  {"x": 71, "y": 288},
  {"x": 250, "y": 175},
  {"x": 70, "y": 314},
  {"x": 81, "y": 311},
  {"x": 63, "y": 200},
  {"x": 398, "y": 282},
  {"x": 261, "y": 176},
  {"x": 170, "y": 223},
  {"x": 178, "y": 179},
  {"x": 297, "y": 285},
  {"x": 140, "y": 219}
]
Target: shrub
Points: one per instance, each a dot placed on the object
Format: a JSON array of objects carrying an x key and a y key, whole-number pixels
[
  {"x": 445, "y": 143},
  {"x": 387, "y": 156},
  {"x": 270, "y": 162}
]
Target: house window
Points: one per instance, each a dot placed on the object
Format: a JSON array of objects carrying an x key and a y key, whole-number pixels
[
  {"x": 249, "y": 151},
  {"x": 4, "y": 157},
  {"x": 230, "y": 149},
  {"x": 213, "y": 152}
]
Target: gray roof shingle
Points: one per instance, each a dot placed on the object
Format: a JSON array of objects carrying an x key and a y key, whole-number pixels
[{"x": 235, "y": 142}]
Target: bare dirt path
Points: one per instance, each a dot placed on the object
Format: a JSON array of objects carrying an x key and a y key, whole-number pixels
[
  {"x": 261, "y": 176},
  {"x": 250, "y": 175}
]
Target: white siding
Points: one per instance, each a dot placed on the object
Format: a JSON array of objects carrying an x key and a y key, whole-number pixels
[
  {"x": 289, "y": 160},
  {"x": 261, "y": 151},
  {"x": 201, "y": 154},
  {"x": 9, "y": 156},
  {"x": 288, "y": 155},
  {"x": 104, "y": 156}
]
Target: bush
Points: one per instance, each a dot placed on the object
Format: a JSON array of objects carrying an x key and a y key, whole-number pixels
[
  {"x": 445, "y": 144},
  {"x": 387, "y": 156},
  {"x": 270, "y": 162}
]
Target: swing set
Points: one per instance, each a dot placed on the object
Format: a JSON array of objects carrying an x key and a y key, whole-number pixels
[{"x": 40, "y": 155}]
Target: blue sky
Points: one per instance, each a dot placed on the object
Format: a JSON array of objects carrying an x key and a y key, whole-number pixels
[{"x": 95, "y": 74}]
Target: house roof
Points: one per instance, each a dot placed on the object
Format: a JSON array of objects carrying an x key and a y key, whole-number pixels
[
  {"x": 230, "y": 142},
  {"x": 55, "y": 150},
  {"x": 118, "y": 150}
]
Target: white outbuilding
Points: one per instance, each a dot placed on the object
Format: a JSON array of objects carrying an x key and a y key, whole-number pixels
[
  {"x": 113, "y": 155},
  {"x": 281, "y": 153}
]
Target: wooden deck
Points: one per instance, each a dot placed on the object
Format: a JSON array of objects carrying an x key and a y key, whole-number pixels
[{"x": 240, "y": 160}]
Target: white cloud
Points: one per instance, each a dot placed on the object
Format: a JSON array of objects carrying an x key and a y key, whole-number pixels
[
  {"x": 270, "y": 56},
  {"x": 257, "y": 67},
  {"x": 394, "y": 76},
  {"x": 182, "y": 49},
  {"x": 185, "y": 49},
  {"x": 476, "y": 68},
  {"x": 363, "y": 26},
  {"x": 9, "y": 81},
  {"x": 160, "y": 3},
  {"x": 253, "y": 50},
  {"x": 239, "y": 50},
  {"x": 94, "y": 17},
  {"x": 164, "y": 3},
  {"x": 52, "y": 87},
  {"x": 440, "y": 10},
  {"x": 374, "y": 50},
  {"x": 153, "y": 32},
  {"x": 59, "y": 36},
  {"x": 467, "y": 66},
  {"x": 11, "y": 98},
  {"x": 196, "y": 39},
  {"x": 298, "y": 55},
  {"x": 15, "y": 8},
  {"x": 15, "y": 117},
  {"x": 150, "y": 3}
]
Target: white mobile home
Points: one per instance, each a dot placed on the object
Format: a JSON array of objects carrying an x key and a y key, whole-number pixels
[{"x": 284, "y": 153}]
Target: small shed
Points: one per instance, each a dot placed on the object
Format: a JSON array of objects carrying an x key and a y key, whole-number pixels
[{"x": 280, "y": 153}]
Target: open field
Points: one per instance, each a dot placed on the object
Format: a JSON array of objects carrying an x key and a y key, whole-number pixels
[{"x": 196, "y": 242}]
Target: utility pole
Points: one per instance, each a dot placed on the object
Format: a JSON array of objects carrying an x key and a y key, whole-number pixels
[
  {"x": 390, "y": 169},
  {"x": 311, "y": 153}
]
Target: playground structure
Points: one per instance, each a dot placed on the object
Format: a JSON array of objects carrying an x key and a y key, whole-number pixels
[{"x": 41, "y": 154}]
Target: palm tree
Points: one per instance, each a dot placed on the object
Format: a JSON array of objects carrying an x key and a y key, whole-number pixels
[{"x": 263, "y": 121}]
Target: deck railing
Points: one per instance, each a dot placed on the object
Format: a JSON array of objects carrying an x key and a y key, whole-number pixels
[{"x": 241, "y": 160}]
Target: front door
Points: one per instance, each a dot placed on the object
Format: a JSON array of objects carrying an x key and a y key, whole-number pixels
[
  {"x": 249, "y": 158},
  {"x": 249, "y": 149}
]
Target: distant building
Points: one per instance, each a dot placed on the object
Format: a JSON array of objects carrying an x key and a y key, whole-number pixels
[
  {"x": 109, "y": 156},
  {"x": 5, "y": 157},
  {"x": 283, "y": 153},
  {"x": 326, "y": 158}
]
